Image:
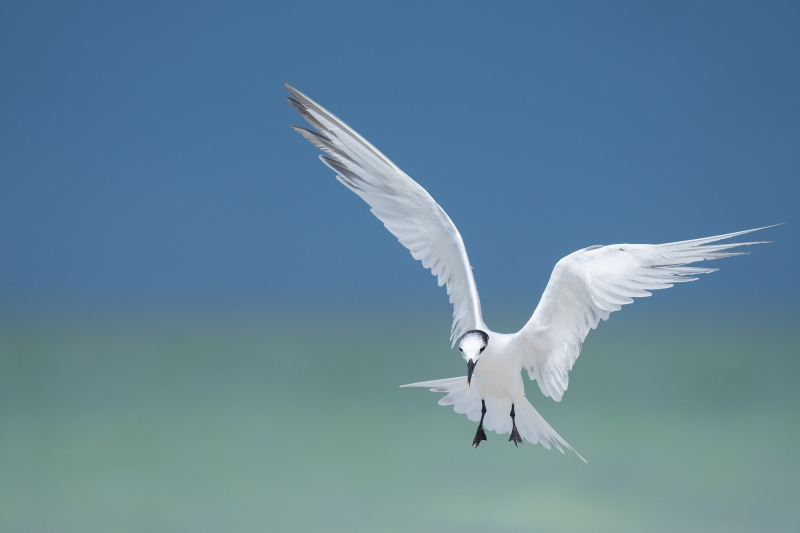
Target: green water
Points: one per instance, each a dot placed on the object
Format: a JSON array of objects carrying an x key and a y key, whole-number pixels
[{"x": 260, "y": 424}]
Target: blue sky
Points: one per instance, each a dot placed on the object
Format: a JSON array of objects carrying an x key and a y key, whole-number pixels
[{"x": 146, "y": 159}]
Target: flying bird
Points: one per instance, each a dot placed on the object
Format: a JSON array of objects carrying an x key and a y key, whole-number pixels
[{"x": 585, "y": 287}]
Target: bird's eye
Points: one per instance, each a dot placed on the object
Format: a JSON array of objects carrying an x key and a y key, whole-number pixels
[
  {"x": 482, "y": 349},
  {"x": 460, "y": 350}
]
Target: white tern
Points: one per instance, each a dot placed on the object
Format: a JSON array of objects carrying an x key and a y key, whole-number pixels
[{"x": 585, "y": 287}]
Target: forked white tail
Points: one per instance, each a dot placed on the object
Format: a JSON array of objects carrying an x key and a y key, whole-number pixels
[{"x": 530, "y": 424}]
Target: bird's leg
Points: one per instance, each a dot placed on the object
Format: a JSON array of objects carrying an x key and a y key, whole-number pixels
[
  {"x": 480, "y": 434},
  {"x": 515, "y": 438}
]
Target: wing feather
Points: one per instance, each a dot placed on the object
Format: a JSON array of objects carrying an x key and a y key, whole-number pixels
[
  {"x": 404, "y": 207},
  {"x": 590, "y": 284}
]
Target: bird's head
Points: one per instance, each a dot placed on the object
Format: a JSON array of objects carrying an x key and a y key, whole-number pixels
[{"x": 471, "y": 346}]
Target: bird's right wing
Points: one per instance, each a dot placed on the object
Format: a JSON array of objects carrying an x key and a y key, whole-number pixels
[
  {"x": 404, "y": 207},
  {"x": 590, "y": 284}
]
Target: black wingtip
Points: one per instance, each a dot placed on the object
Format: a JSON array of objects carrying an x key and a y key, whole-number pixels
[
  {"x": 295, "y": 104},
  {"x": 299, "y": 97},
  {"x": 305, "y": 132}
]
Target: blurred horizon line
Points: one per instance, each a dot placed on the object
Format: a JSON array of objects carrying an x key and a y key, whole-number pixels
[{"x": 427, "y": 310}]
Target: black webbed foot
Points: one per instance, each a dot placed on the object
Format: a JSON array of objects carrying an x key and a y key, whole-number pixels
[
  {"x": 479, "y": 436},
  {"x": 515, "y": 438}
]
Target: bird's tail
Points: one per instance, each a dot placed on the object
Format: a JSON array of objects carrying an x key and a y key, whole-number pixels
[
  {"x": 530, "y": 424},
  {"x": 534, "y": 428},
  {"x": 456, "y": 388}
]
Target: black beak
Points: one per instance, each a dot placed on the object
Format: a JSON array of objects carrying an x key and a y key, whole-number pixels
[{"x": 470, "y": 369}]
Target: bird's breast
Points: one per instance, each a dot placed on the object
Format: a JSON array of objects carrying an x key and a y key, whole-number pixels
[{"x": 498, "y": 377}]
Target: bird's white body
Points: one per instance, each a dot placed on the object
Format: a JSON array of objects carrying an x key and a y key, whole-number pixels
[
  {"x": 499, "y": 372},
  {"x": 498, "y": 380},
  {"x": 584, "y": 288}
]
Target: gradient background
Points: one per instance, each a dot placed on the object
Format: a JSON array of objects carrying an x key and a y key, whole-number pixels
[{"x": 201, "y": 330}]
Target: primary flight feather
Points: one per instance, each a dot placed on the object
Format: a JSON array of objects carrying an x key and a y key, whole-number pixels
[{"x": 584, "y": 288}]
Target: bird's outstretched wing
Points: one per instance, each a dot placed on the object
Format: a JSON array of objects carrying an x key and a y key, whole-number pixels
[
  {"x": 404, "y": 207},
  {"x": 588, "y": 285}
]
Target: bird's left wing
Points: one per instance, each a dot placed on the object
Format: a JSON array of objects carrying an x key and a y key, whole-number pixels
[
  {"x": 404, "y": 207},
  {"x": 588, "y": 285}
]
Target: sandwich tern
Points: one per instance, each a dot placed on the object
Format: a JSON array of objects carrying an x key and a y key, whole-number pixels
[{"x": 585, "y": 287}]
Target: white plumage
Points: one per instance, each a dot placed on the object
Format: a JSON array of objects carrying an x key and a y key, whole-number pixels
[{"x": 584, "y": 288}]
